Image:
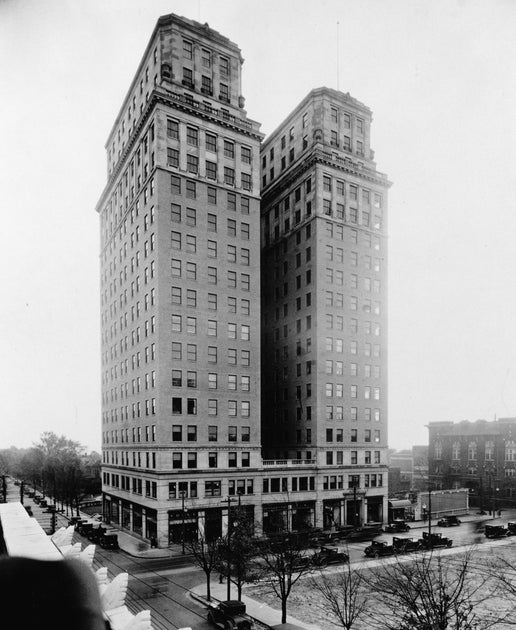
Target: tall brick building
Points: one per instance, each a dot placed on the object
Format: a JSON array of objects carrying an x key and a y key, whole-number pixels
[{"x": 180, "y": 228}]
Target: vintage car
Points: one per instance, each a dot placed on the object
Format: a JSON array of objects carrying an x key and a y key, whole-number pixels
[
  {"x": 495, "y": 531},
  {"x": 429, "y": 541},
  {"x": 368, "y": 532},
  {"x": 378, "y": 549},
  {"x": 230, "y": 615},
  {"x": 109, "y": 541},
  {"x": 405, "y": 545},
  {"x": 330, "y": 555},
  {"x": 396, "y": 526},
  {"x": 448, "y": 521}
]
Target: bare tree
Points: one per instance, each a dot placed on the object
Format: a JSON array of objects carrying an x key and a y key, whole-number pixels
[
  {"x": 430, "y": 592},
  {"x": 343, "y": 596},
  {"x": 285, "y": 562},
  {"x": 205, "y": 555}
]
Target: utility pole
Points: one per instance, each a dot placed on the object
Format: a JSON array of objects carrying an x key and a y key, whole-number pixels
[
  {"x": 228, "y": 572},
  {"x": 429, "y": 514}
]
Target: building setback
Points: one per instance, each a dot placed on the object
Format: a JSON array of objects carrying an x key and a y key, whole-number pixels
[
  {"x": 180, "y": 307},
  {"x": 324, "y": 299}
]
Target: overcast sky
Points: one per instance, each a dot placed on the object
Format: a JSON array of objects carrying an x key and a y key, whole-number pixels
[{"x": 440, "y": 77}]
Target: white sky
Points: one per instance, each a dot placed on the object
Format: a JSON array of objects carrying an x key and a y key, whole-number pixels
[{"x": 440, "y": 77}]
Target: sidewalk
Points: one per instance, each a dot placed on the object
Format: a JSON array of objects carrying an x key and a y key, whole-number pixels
[{"x": 259, "y": 611}]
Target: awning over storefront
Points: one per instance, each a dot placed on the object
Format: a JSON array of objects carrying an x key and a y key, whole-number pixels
[{"x": 398, "y": 504}]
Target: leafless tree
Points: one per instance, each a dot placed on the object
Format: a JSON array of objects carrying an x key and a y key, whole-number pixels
[
  {"x": 343, "y": 596},
  {"x": 430, "y": 592},
  {"x": 285, "y": 561},
  {"x": 205, "y": 556}
]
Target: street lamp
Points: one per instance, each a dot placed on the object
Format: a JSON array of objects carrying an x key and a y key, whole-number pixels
[{"x": 183, "y": 496}]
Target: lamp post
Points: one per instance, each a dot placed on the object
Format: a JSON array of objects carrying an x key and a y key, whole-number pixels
[
  {"x": 228, "y": 574},
  {"x": 183, "y": 496}
]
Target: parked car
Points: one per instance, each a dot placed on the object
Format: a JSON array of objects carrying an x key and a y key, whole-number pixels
[
  {"x": 495, "y": 531},
  {"x": 448, "y": 521},
  {"x": 434, "y": 540},
  {"x": 83, "y": 528},
  {"x": 95, "y": 534},
  {"x": 230, "y": 615},
  {"x": 396, "y": 526},
  {"x": 379, "y": 548},
  {"x": 364, "y": 533},
  {"x": 330, "y": 555},
  {"x": 405, "y": 545}
]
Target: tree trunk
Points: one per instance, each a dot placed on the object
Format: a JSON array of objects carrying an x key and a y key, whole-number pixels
[
  {"x": 283, "y": 610},
  {"x": 208, "y": 586}
]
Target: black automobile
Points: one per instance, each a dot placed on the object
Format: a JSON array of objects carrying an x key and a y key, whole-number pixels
[
  {"x": 330, "y": 555},
  {"x": 405, "y": 545},
  {"x": 429, "y": 541},
  {"x": 448, "y": 521},
  {"x": 363, "y": 533},
  {"x": 378, "y": 549},
  {"x": 495, "y": 531},
  {"x": 396, "y": 526},
  {"x": 230, "y": 615}
]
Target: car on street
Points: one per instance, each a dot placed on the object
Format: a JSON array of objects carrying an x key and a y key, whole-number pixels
[
  {"x": 495, "y": 531},
  {"x": 230, "y": 615},
  {"x": 396, "y": 526},
  {"x": 363, "y": 533},
  {"x": 429, "y": 541},
  {"x": 405, "y": 545},
  {"x": 448, "y": 521},
  {"x": 379, "y": 549},
  {"x": 330, "y": 554}
]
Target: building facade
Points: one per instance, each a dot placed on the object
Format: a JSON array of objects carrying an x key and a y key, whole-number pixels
[
  {"x": 180, "y": 229},
  {"x": 324, "y": 300},
  {"x": 477, "y": 455}
]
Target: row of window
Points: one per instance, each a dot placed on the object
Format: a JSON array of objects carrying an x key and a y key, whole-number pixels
[
  {"x": 189, "y": 216},
  {"x": 139, "y": 459},
  {"x": 188, "y": 489},
  {"x": 368, "y": 480},
  {"x": 188, "y": 351},
  {"x": 190, "y": 432},
  {"x": 210, "y": 460},
  {"x": 337, "y": 390},
  {"x": 123, "y": 482},
  {"x": 213, "y": 380},
  {"x": 188, "y": 270},
  {"x": 210, "y": 171},
  {"x": 189, "y": 406},
  {"x": 472, "y": 448},
  {"x": 206, "y": 58},
  {"x": 188, "y": 325},
  {"x": 138, "y": 434}
]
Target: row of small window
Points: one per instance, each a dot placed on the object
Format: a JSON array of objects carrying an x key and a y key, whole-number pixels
[
  {"x": 340, "y": 188},
  {"x": 337, "y": 368},
  {"x": 148, "y": 247},
  {"x": 149, "y": 328},
  {"x": 472, "y": 448},
  {"x": 281, "y": 484},
  {"x": 213, "y": 380},
  {"x": 206, "y": 85},
  {"x": 190, "y": 328},
  {"x": 209, "y": 171},
  {"x": 188, "y": 270},
  {"x": 352, "y": 215},
  {"x": 213, "y": 433},
  {"x": 285, "y": 203},
  {"x": 337, "y": 390},
  {"x": 113, "y": 373},
  {"x": 337, "y": 413},
  {"x": 189, "y": 298},
  {"x": 347, "y": 143},
  {"x": 368, "y": 480},
  {"x": 210, "y": 460},
  {"x": 190, "y": 240},
  {"x": 338, "y": 232},
  {"x": 135, "y": 410},
  {"x": 333, "y": 344},
  {"x": 190, "y": 407},
  {"x": 190, "y": 354},
  {"x": 136, "y": 359},
  {"x": 206, "y": 58},
  {"x": 148, "y": 274},
  {"x": 148, "y": 302},
  {"x": 188, "y": 489},
  {"x": 139, "y": 459},
  {"x": 138, "y": 434},
  {"x": 123, "y": 482},
  {"x": 231, "y": 204},
  {"x": 113, "y": 416},
  {"x": 211, "y": 141},
  {"x": 337, "y": 254}
]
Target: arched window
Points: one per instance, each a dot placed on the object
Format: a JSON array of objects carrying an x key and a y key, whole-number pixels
[
  {"x": 472, "y": 451},
  {"x": 489, "y": 451},
  {"x": 510, "y": 451},
  {"x": 438, "y": 450},
  {"x": 456, "y": 450}
]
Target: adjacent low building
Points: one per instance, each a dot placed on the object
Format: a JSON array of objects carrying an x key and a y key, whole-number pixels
[{"x": 478, "y": 455}]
